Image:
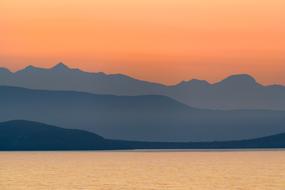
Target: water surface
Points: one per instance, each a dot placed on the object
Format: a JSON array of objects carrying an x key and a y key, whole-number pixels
[{"x": 220, "y": 170}]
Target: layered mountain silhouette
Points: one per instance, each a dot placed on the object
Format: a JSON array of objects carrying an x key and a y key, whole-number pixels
[
  {"x": 139, "y": 118},
  {"x": 235, "y": 92},
  {"x": 27, "y": 135}
]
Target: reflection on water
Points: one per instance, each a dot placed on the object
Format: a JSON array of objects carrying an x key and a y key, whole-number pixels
[{"x": 249, "y": 170}]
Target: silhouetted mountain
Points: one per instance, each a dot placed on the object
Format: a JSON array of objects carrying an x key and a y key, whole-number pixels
[
  {"x": 5, "y": 75},
  {"x": 143, "y": 118},
  {"x": 242, "y": 80},
  {"x": 27, "y": 135},
  {"x": 60, "y": 67},
  {"x": 4, "y": 71},
  {"x": 234, "y": 92}
]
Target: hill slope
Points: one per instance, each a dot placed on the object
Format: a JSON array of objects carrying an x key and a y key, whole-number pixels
[
  {"x": 27, "y": 135},
  {"x": 142, "y": 118}
]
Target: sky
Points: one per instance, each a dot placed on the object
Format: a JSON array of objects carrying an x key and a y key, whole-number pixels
[{"x": 157, "y": 40}]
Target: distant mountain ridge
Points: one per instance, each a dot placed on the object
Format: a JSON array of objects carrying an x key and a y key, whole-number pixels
[
  {"x": 139, "y": 118},
  {"x": 235, "y": 92},
  {"x": 26, "y": 135}
]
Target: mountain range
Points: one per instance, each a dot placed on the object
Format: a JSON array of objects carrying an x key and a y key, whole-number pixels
[
  {"x": 27, "y": 135},
  {"x": 136, "y": 118},
  {"x": 235, "y": 92}
]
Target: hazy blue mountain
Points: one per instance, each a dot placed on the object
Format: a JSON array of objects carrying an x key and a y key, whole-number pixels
[
  {"x": 27, "y": 135},
  {"x": 144, "y": 118},
  {"x": 61, "y": 77},
  {"x": 235, "y": 92}
]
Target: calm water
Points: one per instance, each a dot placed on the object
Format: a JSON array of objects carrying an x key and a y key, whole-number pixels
[{"x": 250, "y": 170}]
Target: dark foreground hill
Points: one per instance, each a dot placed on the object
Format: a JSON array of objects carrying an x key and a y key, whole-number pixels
[
  {"x": 26, "y": 135},
  {"x": 136, "y": 118}
]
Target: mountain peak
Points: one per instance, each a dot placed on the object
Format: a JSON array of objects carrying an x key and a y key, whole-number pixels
[
  {"x": 197, "y": 81},
  {"x": 29, "y": 69},
  {"x": 60, "y": 66},
  {"x": 239, "y": 79},
  {"x": 194, "y": 82},
  {"x": 4, "y": 70}
]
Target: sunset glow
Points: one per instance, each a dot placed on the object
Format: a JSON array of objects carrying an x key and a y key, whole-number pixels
[{"x": 158, "y": 40}]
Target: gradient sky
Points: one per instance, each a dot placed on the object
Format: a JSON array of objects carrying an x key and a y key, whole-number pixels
[{"x": 158, "y": 40}]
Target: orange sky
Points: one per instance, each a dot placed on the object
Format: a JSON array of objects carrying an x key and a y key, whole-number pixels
[{"x": 158, "y": 40}]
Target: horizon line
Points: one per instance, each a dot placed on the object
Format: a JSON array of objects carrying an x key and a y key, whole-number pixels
[{"x": 66, "y": 66}]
